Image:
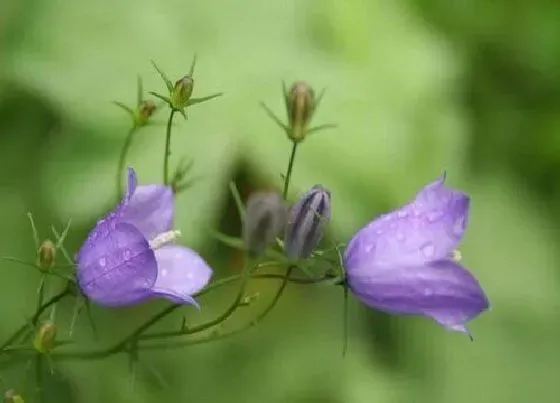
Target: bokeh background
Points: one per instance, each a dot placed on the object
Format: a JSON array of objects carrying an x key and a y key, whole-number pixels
[{"x": 416, "y": 87}]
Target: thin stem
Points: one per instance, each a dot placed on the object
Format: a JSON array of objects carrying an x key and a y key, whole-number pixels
[
  {"x": 134, "y": 336},
  {"x": 167, "y": 147},
  {"x": 122, "y": 159},
  {"x": 290, "y": 169},
  {"x": 245, "y": 276},
  {"x": 41, "y": 292},
  {"x": 221, "y": 336},
  {"x": 18, "y": 333}
]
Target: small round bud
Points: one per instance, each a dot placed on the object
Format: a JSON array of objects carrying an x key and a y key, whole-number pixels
[
  {"x": 307, "y": 220},
  {"x": 182, "y": 92},
  {"x": 46, "y": 255},
  {"x": 145, "y": 110},
  {"x": 265, "y": 218},
  {"x": 45, "y": 337},
  {"x": 11, "y": 396},
  {"x": 301, "y": 106}
]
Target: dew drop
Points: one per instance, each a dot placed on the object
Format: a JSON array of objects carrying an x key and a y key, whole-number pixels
[
  {"x": 429, "y": 250},
  {"x": 126, "y": 254},
  {"x": 102, "y": 261},
  {"x": 368, "y": 248},
  {"x": 402, "y": 214},
  {"x": 434, "y": 216}
]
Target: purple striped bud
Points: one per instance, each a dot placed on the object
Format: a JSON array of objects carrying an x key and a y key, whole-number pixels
[
  {"x": 307, "y": 220},
  {"x": 265, "y": 218}
]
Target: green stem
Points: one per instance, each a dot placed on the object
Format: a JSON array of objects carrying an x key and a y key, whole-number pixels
[
  {"x": 167, "y": 155},
  {"x": 134, "y": 336},
  {"x": 18, "y": 333},
  {"x": 122, "y": 159},
  {"x": 221, "y": 336},
  {"x": 290, "y": 169},
  {"x": 245, "y": 276}
]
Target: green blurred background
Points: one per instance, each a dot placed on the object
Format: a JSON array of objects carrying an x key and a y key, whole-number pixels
[{"x": 415, "y": 86}]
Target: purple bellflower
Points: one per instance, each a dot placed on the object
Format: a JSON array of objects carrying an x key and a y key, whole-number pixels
[
  {"x": 405, "y": 262},
  {"x": 129, "y": 256}
]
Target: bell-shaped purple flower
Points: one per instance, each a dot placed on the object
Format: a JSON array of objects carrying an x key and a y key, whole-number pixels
[
  {"x": 403, "y": 263},
  {"x": 129, "y": 257}
]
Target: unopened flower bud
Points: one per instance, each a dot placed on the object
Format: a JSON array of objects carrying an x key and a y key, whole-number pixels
[
  {"x": 265, "y": 218},
  {"x": 145, "y": 110},
  {"x": 11, "y": 396},
  {"x": 307, "y": 220},
  {"x": 301, "y": 106},
  {"x": 182, "y": 92},
  {"x": 46, "y": 255},
  {"x": 45, "y": 337}
]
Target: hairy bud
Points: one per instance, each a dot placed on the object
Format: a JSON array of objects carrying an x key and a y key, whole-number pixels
[
  {"x": 265, "y": 218},
  {"x": 46, "y": 255},
  {"x": 145, "y": 110},
  {"x": 300, "y": 102},
  {"x": 45, "y": 337},
  {"x": 307, "y": 220},
  {"x": 182, "y": 92},
  {"x": 10, "y": 396}
]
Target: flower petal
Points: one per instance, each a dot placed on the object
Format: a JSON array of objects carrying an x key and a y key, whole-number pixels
[
  {"x": 427, "y": 229},
  {"x": 442, "y": 290},
  {"x": 150, "y": 209},
  {"x": 116, "y": 266},
  {"x": 181, "y": 273},
  {"x": 132, "y": 182}
]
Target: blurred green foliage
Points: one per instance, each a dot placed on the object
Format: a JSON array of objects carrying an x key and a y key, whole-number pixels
[{"x": 415, "y": 86}]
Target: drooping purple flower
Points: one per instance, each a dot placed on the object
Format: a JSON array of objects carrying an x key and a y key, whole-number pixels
[
  {"x": 403, "y": 262},
  {"x": 129, "y": 257}
]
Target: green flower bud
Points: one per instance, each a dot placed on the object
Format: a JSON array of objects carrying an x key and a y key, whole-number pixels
[
  {"x": 46, "y": 255},
  {"x": 300, "y": 101},
  {"x": 182, "y": 92},
  {"x": 145, "y": 110},
  {"x": 12, "y": 397},
  {"x": 45, "y": 337}
]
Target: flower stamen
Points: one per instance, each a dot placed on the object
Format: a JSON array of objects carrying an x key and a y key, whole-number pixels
[
  {"x": 164, "y": 238},
  {"x": 456, "y": 256}
]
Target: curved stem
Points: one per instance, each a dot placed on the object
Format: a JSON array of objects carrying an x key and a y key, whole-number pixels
[
  {"x": 290, "y": 169},
  {"x": 245, "y": 276},
  {"x": 121, "y": 346},
  {"x": 221, "y": 336},
  {"x": 167, "y": 147},
  {"x": 122, "y": 159},
  {"x": 18, "y": 333}
]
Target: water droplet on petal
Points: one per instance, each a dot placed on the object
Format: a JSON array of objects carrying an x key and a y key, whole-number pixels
[
  {"x": 379, "y": 231},
  {"x": 102, "y": 262},
  {"x": 126, "y": 254},
  {"x": 429, "y": 250},
  {"x": 434, "y": 216},
  {"x": 368, "y": 248},
  {"x": 402, "y": 214}
]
